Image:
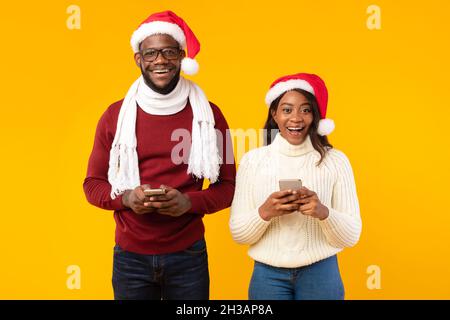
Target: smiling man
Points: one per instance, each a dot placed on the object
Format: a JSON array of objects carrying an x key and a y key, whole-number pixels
[
  {"x": 160, "y": 77},
  {"x": 160, "y": 250}
]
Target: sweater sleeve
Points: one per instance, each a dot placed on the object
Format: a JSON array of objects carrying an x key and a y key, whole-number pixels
[
  {"x": 246, "y": 224},
  {"x": 218, "y": 195},
  {"x": 342, "y": 227},
  {"x": 96, "y": 185}
]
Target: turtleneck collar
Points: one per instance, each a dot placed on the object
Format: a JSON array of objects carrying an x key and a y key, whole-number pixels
[{"x": 283, "y": 146}]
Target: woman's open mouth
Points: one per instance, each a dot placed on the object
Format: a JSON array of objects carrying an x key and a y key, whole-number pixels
[{"x": 295, "y": 131}]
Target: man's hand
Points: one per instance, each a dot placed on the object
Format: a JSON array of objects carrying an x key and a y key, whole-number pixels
[
  {"x": 135, "y": 199},
  {"x": 173, "y": 203}
]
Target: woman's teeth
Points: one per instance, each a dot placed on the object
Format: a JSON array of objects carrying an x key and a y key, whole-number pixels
[{"x": 295, "y": 129}]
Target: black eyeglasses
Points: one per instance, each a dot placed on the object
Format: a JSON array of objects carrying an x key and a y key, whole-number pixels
[{"x": 170, "y": 53}]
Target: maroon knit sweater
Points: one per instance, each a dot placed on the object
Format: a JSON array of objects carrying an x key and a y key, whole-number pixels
[{"x": 155, "y": 233}]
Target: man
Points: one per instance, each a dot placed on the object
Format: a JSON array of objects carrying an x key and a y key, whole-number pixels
[{"x": 160, "y": 250}]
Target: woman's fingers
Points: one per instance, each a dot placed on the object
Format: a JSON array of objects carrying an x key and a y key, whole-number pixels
[
  {"x": 282, "y": 193},
  {"x": 288, "y": 207},
  {"x": 289, "y": 198},
  {"x": 303, "y": 191}
]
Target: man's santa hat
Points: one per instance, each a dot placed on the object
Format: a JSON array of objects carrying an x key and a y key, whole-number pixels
[
  {"x": 310, "y": 83},
  {"x": 167, "y": 22}
]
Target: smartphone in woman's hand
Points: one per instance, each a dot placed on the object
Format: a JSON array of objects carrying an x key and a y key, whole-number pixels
[{"x": 292, "y": 184}]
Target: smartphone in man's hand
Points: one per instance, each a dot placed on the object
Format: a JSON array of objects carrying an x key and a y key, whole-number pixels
[{"x": 154, "y": 192}]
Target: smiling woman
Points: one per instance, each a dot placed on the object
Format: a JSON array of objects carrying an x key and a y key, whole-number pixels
[
  {"x": 296, "y": 115},
  {"x": 293, "y": 116},
  {"x": 294, "y": 235}
]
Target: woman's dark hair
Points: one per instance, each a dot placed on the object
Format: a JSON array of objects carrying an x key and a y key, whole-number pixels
[{"x": 320, "y": 143}]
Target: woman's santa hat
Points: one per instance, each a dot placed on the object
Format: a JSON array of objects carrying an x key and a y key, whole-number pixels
[
  {"x": 310, "y": 83},
  {"x": 167, "y": 22}
]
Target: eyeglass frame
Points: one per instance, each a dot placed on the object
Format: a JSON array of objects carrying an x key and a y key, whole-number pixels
[{"x": 160, "y": 52}]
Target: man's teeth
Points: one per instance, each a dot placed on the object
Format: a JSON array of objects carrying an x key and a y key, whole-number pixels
[{"x": 161, "y": 71}]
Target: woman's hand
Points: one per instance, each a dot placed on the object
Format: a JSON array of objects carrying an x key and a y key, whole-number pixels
[
  {"x": 310, "y": 204},
  {"x": 279, "y": 203}
]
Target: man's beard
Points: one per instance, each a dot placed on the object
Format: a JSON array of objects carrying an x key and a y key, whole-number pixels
[{"x": 167, "y": 89}]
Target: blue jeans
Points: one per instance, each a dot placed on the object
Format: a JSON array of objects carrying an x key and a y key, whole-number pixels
[
  {"x": 319, "y": 281},
  {"x": 175, "y": 276}
]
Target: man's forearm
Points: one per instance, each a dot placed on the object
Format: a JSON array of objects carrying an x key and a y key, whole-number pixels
[{"x": 98, "y": 193}]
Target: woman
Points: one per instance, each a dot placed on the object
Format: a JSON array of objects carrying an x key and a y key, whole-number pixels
[{"x": 294, "y": 235}]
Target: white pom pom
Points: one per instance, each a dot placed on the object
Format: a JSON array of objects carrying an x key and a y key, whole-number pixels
[
  {"x": 189, "y": 66},
  {"x": 326, "y": 126}
]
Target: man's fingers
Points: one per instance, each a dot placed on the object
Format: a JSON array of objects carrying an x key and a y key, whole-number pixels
[
  {"x": 158, "y": 198},
  {"x": 160, "y": 205},
  {"x": 167, "y": 188},
  {"x": 140, "y": 190},
  {"x": 170, "y": 194},
  {"x": 139, "y": 193}
]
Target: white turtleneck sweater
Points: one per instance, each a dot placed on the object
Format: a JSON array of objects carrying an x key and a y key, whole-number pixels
[{"x": 295, "y": 240}]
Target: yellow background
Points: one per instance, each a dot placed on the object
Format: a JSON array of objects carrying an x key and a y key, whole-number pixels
[{"x": 388, "y": 96}]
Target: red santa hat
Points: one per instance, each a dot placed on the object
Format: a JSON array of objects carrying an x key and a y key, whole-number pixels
[
  {"x": 310, "y": 83},
  {"x": 167, "y": 22}
]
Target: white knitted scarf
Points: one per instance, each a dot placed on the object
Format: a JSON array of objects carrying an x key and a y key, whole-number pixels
[{"x": 204, "y": 159}]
